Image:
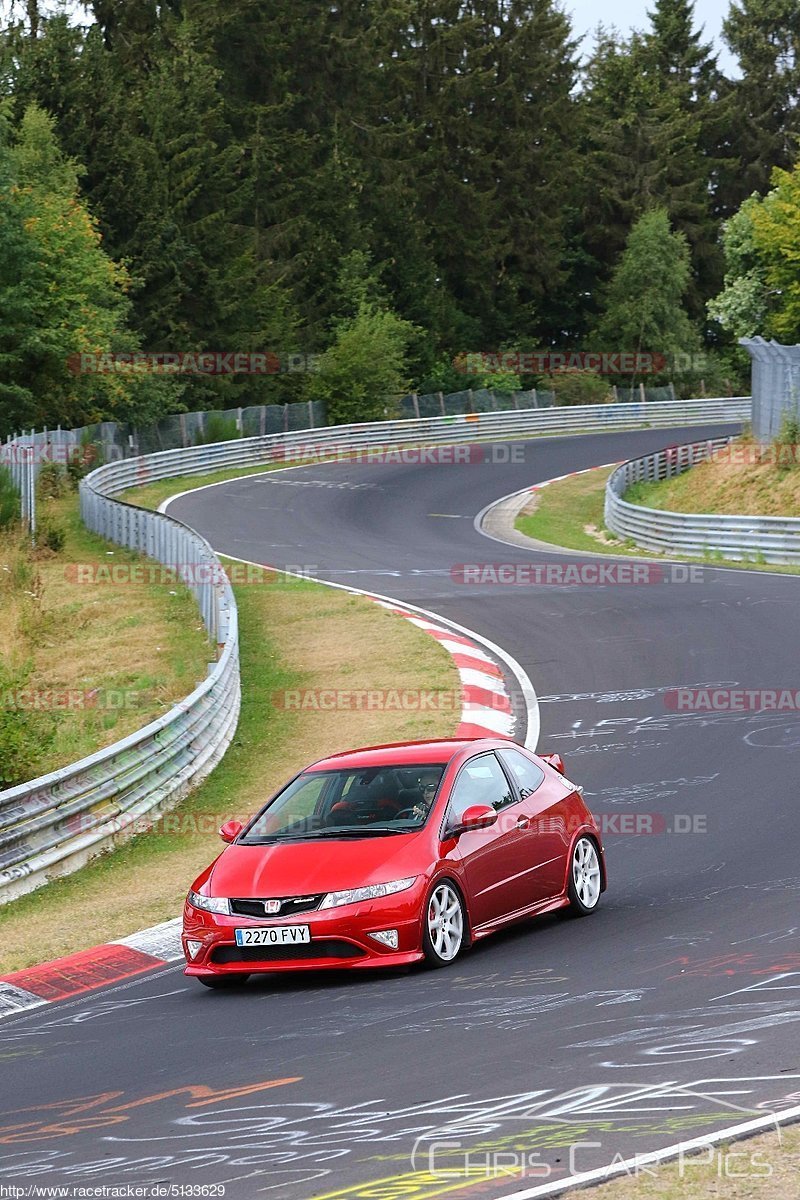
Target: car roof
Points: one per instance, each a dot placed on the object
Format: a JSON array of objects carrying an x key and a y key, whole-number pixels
[{"x": 397, "y": 754}]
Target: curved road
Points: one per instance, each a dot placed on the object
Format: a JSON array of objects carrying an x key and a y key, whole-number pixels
[{"x": 551, "y": 1048}]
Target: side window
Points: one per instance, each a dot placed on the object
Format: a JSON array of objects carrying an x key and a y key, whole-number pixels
[
  {"x": 480, "y": 781},
  {"x": 527, "y": 774}
]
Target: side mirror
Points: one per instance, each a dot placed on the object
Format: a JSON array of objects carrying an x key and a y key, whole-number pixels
[
  {"x": 553, "y": 760},
  {"x": 230, "y": 831},
  {"x": 479, "y": 816}
]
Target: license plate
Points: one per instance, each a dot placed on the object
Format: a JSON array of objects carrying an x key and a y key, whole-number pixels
[{"x": 275, "y": 935}]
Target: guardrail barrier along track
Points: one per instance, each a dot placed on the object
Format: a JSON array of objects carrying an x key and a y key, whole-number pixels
[
  {"x": 740, "y": 538},
  {"x": 54, "y": 824}
]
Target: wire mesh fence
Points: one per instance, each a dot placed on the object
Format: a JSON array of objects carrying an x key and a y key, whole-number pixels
[
  {"x": 776, "y": 386},
  {"x": 478, "y": 400}
]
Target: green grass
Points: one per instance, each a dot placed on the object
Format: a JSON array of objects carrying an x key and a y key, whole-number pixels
[
  {"x": 293, "y": 634},
  {"x": 744, "y": 479},
  {"x": 563, "y": 510},
  {"x": 569, "y": 514},
  {"x": 141, "y": 646}
]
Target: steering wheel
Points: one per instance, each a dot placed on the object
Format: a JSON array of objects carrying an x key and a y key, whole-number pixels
[{"x": 413, "y": 811}]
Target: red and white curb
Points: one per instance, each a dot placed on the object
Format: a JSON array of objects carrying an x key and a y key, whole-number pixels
[
  {"x": 537, "y": 487},
  {"x": 87, "y": 970},
  {"x": 486, "y": 709}
]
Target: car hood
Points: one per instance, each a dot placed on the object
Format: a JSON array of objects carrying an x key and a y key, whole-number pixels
[{"x": 294, "y": 868}]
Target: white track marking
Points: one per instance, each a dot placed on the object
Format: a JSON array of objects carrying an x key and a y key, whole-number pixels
[{"x": 631, "y": 1165}]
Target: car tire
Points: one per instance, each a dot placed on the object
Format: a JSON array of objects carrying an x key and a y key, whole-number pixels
[
  {"x": 444, "y": 925},
  {"x": 585, "y": 878},
  {"x": 220, "y": 982}
]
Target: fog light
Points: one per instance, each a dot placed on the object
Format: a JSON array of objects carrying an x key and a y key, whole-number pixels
[
  {"x": 388, "y": 937},
  {"x": 193, "y": 948}
]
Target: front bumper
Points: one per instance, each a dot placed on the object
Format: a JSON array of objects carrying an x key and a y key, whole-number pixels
[{"x": 340, "y": 938}]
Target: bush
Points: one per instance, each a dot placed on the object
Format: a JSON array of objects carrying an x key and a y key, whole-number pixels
[
  {"x": 9, "y": 499},
  {"x": 218, "y": 429},
  {"x": 789, "y": 437},
  {"x": 445, "y": 376},
  {"x": 362, "y": 373},
  {"x": 51, "y": 535},
  {"x": 718, "y": 372},
  {"x": 52, "y": 482},
  {"x": 579, "y": 387},
  {"x": 504, "y": 382},
  {"x": 84, "y": 458}
]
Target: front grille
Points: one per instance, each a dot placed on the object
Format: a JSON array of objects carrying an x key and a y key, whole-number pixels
[
  {"x": 322, "y": 948},
  {"x": 290, "y": 906}
]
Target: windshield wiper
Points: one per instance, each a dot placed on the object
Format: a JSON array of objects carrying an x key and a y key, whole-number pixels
[
  {"x": 344, "y": 832},
  {"x": 276, "y": 837},
  {"x": 357, "y": 831}
]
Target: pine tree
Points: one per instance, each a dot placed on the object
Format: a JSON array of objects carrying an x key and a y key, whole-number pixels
[
  {"x": 654, "y": 137},
  {"x": 765, "y": 37},
  {"x": 489, "y": 87}
]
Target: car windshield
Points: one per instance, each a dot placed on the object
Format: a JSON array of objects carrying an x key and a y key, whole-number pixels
[{"x": 368, "y": 802}]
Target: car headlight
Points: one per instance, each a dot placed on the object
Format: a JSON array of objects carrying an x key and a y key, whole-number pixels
[
  {"x": 373, "y": 891},
  {"x": 213, "y": 904}
]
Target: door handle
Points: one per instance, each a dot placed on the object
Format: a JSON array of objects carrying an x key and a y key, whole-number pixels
[{"x": 523, "y": 822}]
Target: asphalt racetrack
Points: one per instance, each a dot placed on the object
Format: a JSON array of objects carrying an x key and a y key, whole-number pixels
[{"x": 549, "y": 1049}]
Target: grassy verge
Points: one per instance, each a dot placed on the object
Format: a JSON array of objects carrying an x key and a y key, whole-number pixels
[
  {"x": 743, "y": 479},
  {"x": 570, "y": 514},
  {"x": 294, "y": 635},
  {"x": 83, "y": 661},
  {"x": 760, "y": 1168}
]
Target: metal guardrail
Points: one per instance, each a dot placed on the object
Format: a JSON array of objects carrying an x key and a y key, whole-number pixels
[
  {"x": 740, "y": 538},
  {"x": 56, "y": 823},
  {"x": 387, "y": 435}
]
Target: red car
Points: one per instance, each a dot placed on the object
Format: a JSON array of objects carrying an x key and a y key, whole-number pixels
[{"x": 393, "y": 855}]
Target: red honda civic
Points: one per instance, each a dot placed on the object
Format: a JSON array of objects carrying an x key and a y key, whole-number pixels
[{"x": 394, "y": 855}]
